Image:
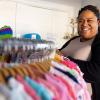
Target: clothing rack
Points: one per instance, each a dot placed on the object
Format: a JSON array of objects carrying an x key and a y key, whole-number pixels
[
  {"x": 59, "y": 76},
  {"x": 20, "y": 50}
]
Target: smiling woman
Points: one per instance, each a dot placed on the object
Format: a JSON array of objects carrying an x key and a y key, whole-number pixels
[
  {"x": 87, "y": 25},
  {"x": 85, "y": 49}
]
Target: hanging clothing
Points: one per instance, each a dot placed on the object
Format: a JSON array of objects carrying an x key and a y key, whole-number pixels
[{"x": 90, "y": 68}]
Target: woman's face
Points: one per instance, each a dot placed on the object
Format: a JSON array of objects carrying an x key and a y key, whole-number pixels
[{"x": 87, "y": 25}]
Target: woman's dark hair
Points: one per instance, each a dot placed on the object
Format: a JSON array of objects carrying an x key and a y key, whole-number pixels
[{"x": 92, "y": 8}]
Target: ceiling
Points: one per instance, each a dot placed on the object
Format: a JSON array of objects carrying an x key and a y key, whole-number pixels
[{"x": 60, "y": 1}]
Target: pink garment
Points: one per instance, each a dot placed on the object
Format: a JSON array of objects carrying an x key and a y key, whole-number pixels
[
  {"x": 58, "y": 79},
  {"x": 28, "y": 88},
  {"x": 60, "y": 86},
  {"x": 51, "y": 87},
  {"x": 78, "y": 74},
  {"x": 84, "y": 87},
  {"x": 71, "y": 65},
  {"x": 74, "y": 72},
  {"x": 63, "y": 67},
  {"x": 68, "y": 63},
  {"x": 71, "y": 93},
  {"x": 70, "y": 88},
  {"x": 80, "y": 79},
  {"x": 74, "y": 87}
]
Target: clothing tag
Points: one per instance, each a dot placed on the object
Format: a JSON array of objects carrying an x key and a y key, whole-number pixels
[{"x": 33, "y": 36}]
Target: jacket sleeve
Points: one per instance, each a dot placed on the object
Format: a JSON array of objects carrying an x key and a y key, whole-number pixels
[{"x": 91, "y": 69}]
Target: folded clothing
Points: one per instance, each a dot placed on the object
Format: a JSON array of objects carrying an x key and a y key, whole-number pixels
[{"x": 6, "y": 32}]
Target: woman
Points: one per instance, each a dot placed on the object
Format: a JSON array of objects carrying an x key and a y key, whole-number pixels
[{"x": 85, "y": 49}]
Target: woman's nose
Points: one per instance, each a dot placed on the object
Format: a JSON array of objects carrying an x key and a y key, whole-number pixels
[{"x": 85, "y": 23}]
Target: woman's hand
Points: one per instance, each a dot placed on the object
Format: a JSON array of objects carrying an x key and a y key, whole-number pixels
[{"x": 59, "y": 52}]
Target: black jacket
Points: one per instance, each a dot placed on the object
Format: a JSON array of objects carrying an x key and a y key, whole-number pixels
[{"x": 91, "y": 69}]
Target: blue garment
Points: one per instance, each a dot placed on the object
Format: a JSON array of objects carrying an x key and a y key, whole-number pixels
[
  {"x": 39, "y": 88},
  {"x": 32, "y": 36}
]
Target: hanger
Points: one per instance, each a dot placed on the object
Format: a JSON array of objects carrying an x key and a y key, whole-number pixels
[
  {"x": 22, "y": 67},
  {"x": 4, "y": 72},
  {"x": 11, "y": 71},
  {"x": 2, "y": 80}
]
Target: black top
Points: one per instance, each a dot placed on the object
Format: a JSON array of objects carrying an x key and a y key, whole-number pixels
[{"x": 91, "y": 68}]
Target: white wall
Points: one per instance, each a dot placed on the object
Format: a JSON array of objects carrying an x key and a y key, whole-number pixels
[
  {"x": 47, "y": 22},
  {"x": 93, "y": 2},
  {"x": 49, "y": 19},
  {"x": 7, "y": 14}
]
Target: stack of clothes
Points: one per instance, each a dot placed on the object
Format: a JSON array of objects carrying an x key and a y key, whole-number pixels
[{"x": 5, "y": 32}]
